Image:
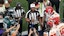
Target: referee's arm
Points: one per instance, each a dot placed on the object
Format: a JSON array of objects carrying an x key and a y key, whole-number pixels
[{"x": 27, "y": 17}]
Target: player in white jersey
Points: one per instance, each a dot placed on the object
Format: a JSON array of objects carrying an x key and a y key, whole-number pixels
[
  {"x": 57, "y": 31},
  {"x": 51, "y": 16},
  {"x": 60, "y": 29},
  {"x": 52, "y": 19}
]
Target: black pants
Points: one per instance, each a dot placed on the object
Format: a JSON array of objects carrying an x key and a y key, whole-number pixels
[
  {"x": 56, "y": 5},
  {"x": 1, "y": 25},
  {"x": 20, "y": 22}
]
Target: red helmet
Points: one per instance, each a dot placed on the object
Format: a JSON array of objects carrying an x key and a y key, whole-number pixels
[
  {"x": 50, "y": 23},
  {"x": 49, "y": 9},
  {"x": 56, "y": 20}
]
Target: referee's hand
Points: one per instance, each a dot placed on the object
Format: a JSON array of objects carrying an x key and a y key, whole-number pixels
[{"x": 32, "y": 20}]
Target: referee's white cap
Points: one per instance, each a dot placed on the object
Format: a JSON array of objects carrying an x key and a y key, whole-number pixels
[{"x": 32, "y": 5}]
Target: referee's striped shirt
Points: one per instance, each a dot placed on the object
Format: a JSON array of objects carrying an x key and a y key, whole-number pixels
[
  {"x": 19, "y": 12},
  {"x": 32, "y": 15}
]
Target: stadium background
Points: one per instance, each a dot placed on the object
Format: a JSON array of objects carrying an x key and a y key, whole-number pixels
[{"x": 25, "y": 6}]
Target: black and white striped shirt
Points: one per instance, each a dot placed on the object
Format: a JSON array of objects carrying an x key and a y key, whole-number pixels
[
  {"x": 19, "y": 12},
  {"x": 32, "y": 15}
]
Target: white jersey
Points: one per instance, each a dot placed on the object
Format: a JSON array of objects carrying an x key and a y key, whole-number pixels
[
  {"x": 53, "y": 31},
  {"x": 50, "y": 17},
  {"x": 47, "y": 2},
  {"x": 41, "y": 9},
  {"x": 58, "y": 31},
  {"x": 61, "y": 29}
]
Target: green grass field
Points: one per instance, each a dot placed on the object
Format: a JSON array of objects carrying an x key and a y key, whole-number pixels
[{"x": 25, "y": 6}]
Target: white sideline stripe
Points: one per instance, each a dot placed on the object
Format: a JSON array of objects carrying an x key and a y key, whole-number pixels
[{"x": 26, "y": 32}]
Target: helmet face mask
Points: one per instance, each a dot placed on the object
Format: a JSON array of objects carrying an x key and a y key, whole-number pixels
[{"x": 49, "y": 10}]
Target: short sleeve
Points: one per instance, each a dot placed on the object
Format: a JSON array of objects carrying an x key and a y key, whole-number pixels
[
  {"x": 38, "y": 14},
  {"x": 26, "y": 15},
  {"x": 23, "y": 11}
]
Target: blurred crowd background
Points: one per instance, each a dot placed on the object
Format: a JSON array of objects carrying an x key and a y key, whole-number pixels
[{"x": 10, "y": 6}]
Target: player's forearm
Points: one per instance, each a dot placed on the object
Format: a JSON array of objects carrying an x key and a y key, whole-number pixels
[
  {"x": 9, "y": 29},
  {"x": 27, "y": 20},
  {"x": 29, "y": 35},
  {"x": 36, "y": 34},
  {"x": 18, "y": 26}
]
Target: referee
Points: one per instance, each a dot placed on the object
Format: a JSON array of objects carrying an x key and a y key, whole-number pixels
[
  {"x": 19, "y": 14},
  {"x": 32, "y": 18}
]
